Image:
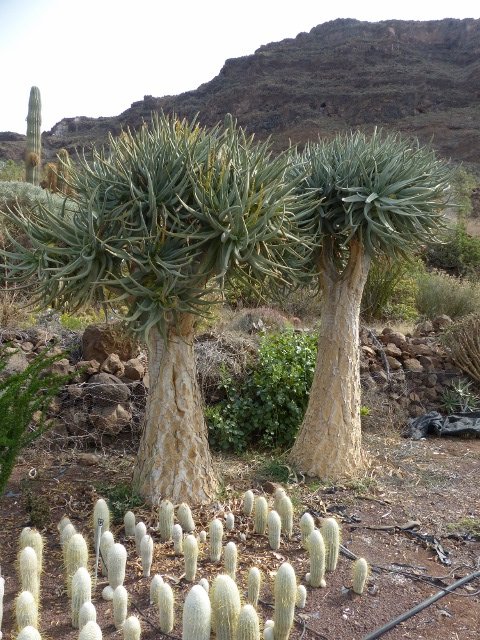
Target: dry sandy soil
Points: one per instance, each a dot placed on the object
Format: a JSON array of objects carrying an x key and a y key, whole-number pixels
[{"x": 433, "y": 482}]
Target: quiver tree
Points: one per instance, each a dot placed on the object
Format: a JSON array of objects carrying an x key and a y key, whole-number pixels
[
  {"x": 155, "y": 222},
  {"x": 376, "y": 196}
]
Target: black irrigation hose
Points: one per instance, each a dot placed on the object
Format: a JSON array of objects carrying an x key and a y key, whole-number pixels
[{"x": 423, "y": 605}]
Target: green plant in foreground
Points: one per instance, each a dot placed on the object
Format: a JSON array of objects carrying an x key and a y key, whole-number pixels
[
  {"x": 24, "y": 396},
  {"x": 266, "y": 408},
  {"x": 460, "y": 397}
]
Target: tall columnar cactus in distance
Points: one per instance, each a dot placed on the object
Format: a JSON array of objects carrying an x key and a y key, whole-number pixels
[
  {"x": 101, "y": 513},
  {"x": 91, "y": 631},
  {"x": 33, "y": 152},
  {"x": 63, "y": 172},
  {"x": 331, "y": 536},
  {"x": 196, "y": 621},
  {"x": 360, "y": 575},
  {"x": 285, "y": 594},
  {"x": 316, "y": 549},
  {"x": 120, "y": 606},
  {"x": 146, "y": 554},
  {"x": 155, "y": 584},
  {"x": 29, "y": 633},
  {"x": 190, "y": 554},
  {"x": 216, "y": 536},
  {"x": 87, "y": 613},
  {"x": 248, "y": 624},
  {"x": 248, "y": 500},
  {"x": 129, "y": 524},
  {"x": 177, "y": 537},
  {"x": 132, "y": 628},
  {"x": 254, "y": 582},
  {"x": 26, "y": 610},
  {"x": 106, "y": 543},
  {"x": 33, "y": 538},
  {"x": 165, "y": 608},
  {"x": 184, "y": 515},
  {"x": 76, "y": 556},
  {"x": 230, "y": 559},
  {"x": 165, "y": 520},
  {"x": 81, "y": 593},
  {"x": 285, "y": 511},
  {"x": 28, "y": 572},
  {"x": 226, "y": 606},
  {"x": 307, "y": 525},
  {"x": 260, "y": 515},
  {"x": 274, "y": 525}
]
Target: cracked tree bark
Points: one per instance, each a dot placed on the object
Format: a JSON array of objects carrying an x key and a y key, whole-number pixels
[
  {"x": 328, "y": 444},
  {"x": 173, "y": 459}
]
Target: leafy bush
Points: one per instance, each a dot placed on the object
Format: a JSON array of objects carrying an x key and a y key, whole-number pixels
[
  {"x": 390, "y": 289},
  {"x": 463, "y": 342},
  {"x": 460, "y": 396},
  {"x": 267, "y": 407},
  {"x": 459, "y": 255},
  {"x": 22, "y": 397},
  {"x": 11, "y": 170},
  {"x": 439, "y": 293}
]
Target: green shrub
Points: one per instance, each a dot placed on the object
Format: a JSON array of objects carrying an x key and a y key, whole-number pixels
[
  {"x": 439, "y": 293},
  {"x": 11, "y": 171},
  {"x": 459, "y": 255},
  {"x": 121, "y": 498},
  {"x": 22, "y": 397},
  {"x": 390, "y": 290},
  {"x": 267, "y": 407}
]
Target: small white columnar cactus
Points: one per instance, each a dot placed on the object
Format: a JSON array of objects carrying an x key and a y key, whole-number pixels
[
  {"x": 203, "y": 582},
  {"x": 285, "y": 593},
  {"x": 184, "y": 516},
  {"x": 120, "y": 606},
  {"x": 285, "y": 511},
  {"x": 28, "y": 572},
  {"x": 65, "y": 535},
  {"x": 229, "y": 521},
  {"x": 26, "y": 610},
  {"x": 248, "y": 500},
  {"x": 132, "y": 629},
  {"x": 81, "y": 593},
  {"x": 146, "y": 554},
  {"x": 157, "y": 580},
  {"x": 316, "y": 550},
  {"x": 165, "y": 608},
  {"x": 91, "y": 631},
  {"x": 248, "y": 624},
  {"x": 129, "y": 524},
  {"x": 226, "y": 606},
  {"x": 360, "y": 575},
  {"x": 260, "y": 515},
  {"x": 177, "y": 537},
  {"x": 216, "y": 537},
  {"x": 117, "y": 562},
  {"x": 29, "y": 633},
  {"x": 301, "y": 596},
  {"x": 100, "y": 512},
  {"x": 254, "y": 582},
  {"x": 196, "y": 621},
  {"x": 202, "y": 536},
  {"x": 76, "y": 556},
  {"x": 64, "y": 520},
  {"x": 230, "y": 559},
  {"x": 33, "y": 538},
  {"x": 87, "y": 613},
  {"x": 165, "y": 520},
  {"x": 331, "y": 536},
  {"x": 106, "y": 543},
  {"x": 307, "y": 525},
  {"x": 278, "y": 496},
  {"x": 274, "y": 525},
  {"x": 140, "y": 531},
  {"x": 190, "y": 555}
]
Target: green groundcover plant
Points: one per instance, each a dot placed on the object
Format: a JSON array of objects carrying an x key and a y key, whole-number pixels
[
  {"x": 267, "y": 406},
  {"x": 23, "y": 397}
]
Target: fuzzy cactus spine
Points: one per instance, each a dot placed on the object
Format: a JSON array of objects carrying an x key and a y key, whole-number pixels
[
  {"x": 285, "y": 593},
  {"x": 33, "y": 155},
  {"x": 106, "y": 543},
  {"x": 316, "y": 549},
  {"x": 140, "y": 531},
  {"x": 216, "y": 537},
  {"x": 190, "y": 555},
  {"x": 165, "y": 608},
  {"x": 360, "y": 575},
  {"x": 117, "y": 562},
  {"x": 274, "y": 526},
  {"x": 184, "y": 516},
  {"x": 76, "y": 556},
  {"x": 81, "y": 593},
  {"x": 301, "y": 599},
  {"x": 157, "y": 580},
  {"x": 146, "y": 554},
  {"x": 87, "y": 613},
  {"x": 285, "y": 511},
  {"x": 260, "y": 515},
  {"x": 177, "y": 537},
  {"x": 132, "y": 629},
  {"x": 28, "y": 572},
  {"x": 307, "y": 525},
  {"x": 26, "y": 610},
  {"x": 120, "y": 606},
  {"x": 129, "y": 524},
  {"x": 248, "y": 624},
  {"x": 248, "y": 500},
  {"x": 331, "y": 536},
  {"x": 226, "y": 605},
  {"x": 33, "y": 538},
  {"x": 196, "y": 621},
  {"x": 254, "y": 582},
  {"x": 29, "y": 633},
  {"x": 165, "y": 520},
  {"x": 229, "y": 521},
  {"x": 101, "y": 513},
  {"x": 230, "y": 558},
  {"x": 91, "y": 631}
]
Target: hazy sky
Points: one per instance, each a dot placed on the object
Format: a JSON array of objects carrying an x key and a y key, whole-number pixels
[{"x": 96, "y": 57}]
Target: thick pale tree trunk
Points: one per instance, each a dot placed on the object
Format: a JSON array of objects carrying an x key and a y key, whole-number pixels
[
  {"x": 328, "y": 444},
  {"x": 174, "y": 460}
]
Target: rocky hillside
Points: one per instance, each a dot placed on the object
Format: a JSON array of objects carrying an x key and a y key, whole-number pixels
[{"x": 421, "y": 78}]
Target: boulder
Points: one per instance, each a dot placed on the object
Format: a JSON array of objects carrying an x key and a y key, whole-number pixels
[
  {"x": 106, "y": 389},
  {"x": 113, "y": 365},
  {"x": 99, "y": 341},
  {"x": 413, "y": 365},
  {"x": 440, "y": 323},
  {"x": 134, "y": 369},
  {"x": 110, "y": 419}
]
